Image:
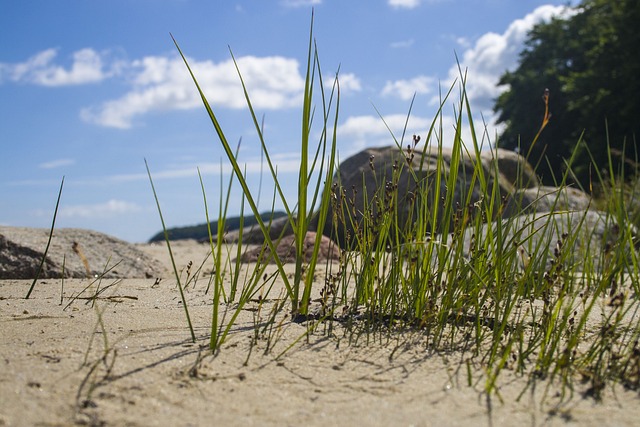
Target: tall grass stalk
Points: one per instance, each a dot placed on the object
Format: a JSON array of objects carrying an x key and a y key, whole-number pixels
[
  {"x": 216, "y": 253},
  {"x": 300, "y": 217},
  {"x": 173, "y": 261},
  {"x": 218, "y": 286},
  {"x": 46, "y": 249}
]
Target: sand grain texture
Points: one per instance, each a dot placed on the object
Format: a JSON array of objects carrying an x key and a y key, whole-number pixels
[{"x": 55, "y": 371}]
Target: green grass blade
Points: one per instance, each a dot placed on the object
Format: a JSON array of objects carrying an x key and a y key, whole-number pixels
[
  {"x": 46, "y": 249},
  {"x": 238, "y": 173},
  {"x": 173, "y": 261}
]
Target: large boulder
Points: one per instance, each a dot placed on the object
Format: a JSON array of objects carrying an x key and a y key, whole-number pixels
[
  {"x": 404, "y": 182},
  {"x": 578, "y": 236},
  {"x": 550, "y": 199},
  {"x": 512, "y": 166},
  {"x": 83, "y": 253},
  {"x": 557, "y": 242}
]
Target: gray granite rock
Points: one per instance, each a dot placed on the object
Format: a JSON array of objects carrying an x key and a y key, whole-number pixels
[
  {"x": 584, "y": 236},
  {"x": 408, "y": 181},
  {"x": 549, "y": 199},
  {"x": 85, "y": 253}
]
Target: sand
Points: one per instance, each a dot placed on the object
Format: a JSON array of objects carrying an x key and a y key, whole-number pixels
[{"x": 126, "y": 358}]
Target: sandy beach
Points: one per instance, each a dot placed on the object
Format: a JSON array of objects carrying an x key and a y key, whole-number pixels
[{"x": 126, "y": 357}]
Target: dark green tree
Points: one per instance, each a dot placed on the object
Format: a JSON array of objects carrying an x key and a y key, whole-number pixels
[{"x": 590, "y": 65}]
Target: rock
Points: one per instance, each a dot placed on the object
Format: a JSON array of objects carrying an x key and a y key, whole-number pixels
[
  {"x": 366, "y": 185},
  {"x": 575, "y": 241},
  {"x": 84, "y": 253},
  {"x": 548, "y": 199},
  {"x": 585, "y": 236},
  {"x": 286, "y": 250},
  {"x": 374, "y": 169},
  {"x": 513, "y": 167}
]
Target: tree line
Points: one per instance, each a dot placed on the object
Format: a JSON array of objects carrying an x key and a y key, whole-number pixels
[{"x": 587, "y": 68}]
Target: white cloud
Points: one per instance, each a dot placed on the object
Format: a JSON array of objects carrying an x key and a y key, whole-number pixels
[
  {"x": 402, "y": 44},
  {"x": 367, "y": 131},
  {"x": 349, "y": 82},
  {"x": 371, "y": 131},
  {"x": 493, "y": 54},
  {"x": 404, "y": 4},
  {"x": 110, "y": 208},
  {"x": 405, "y": 89},
  {"x": 463, "y": 41},
  {"x": 285, "y": 163},
  {"x": 87, "y": 67},
  {"x": 58, "y": 163},
  {"x": 163, "y": 84},
  {"x": 300, "y": 3}
]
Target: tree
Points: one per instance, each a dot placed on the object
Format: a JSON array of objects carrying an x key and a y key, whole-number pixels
[{"x": 590, "y": 66}]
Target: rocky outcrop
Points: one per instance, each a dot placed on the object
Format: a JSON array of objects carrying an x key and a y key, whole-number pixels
[
  {"x": 407, "y": 183},
  {"x": 83, "y": 253}
]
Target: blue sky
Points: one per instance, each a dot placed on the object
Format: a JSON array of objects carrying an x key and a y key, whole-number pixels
[{"x": 89, "y": 89}]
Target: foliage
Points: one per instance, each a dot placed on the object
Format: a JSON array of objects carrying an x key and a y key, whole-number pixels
[{"x": 588, "y": 64}]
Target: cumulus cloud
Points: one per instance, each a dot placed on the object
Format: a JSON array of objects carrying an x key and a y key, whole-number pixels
[
  {"x": 87, "y": 66},
  {"x": 405, "y": 89},
  {"x": 163, "y": 83},
  {"x": 371, "y": 131},
  {"x": 493, "y": 54},
  {"x": 110, "y": 208},
  {"x": 367, "y": 131},
  {"x": 349, "y": 83},
  {"x": 486, "y": 60}
]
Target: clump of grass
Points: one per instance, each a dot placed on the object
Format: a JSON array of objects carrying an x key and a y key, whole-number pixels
[
  {"x": 512, "y": 293},
  {"x": 310, "y": 178}
]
